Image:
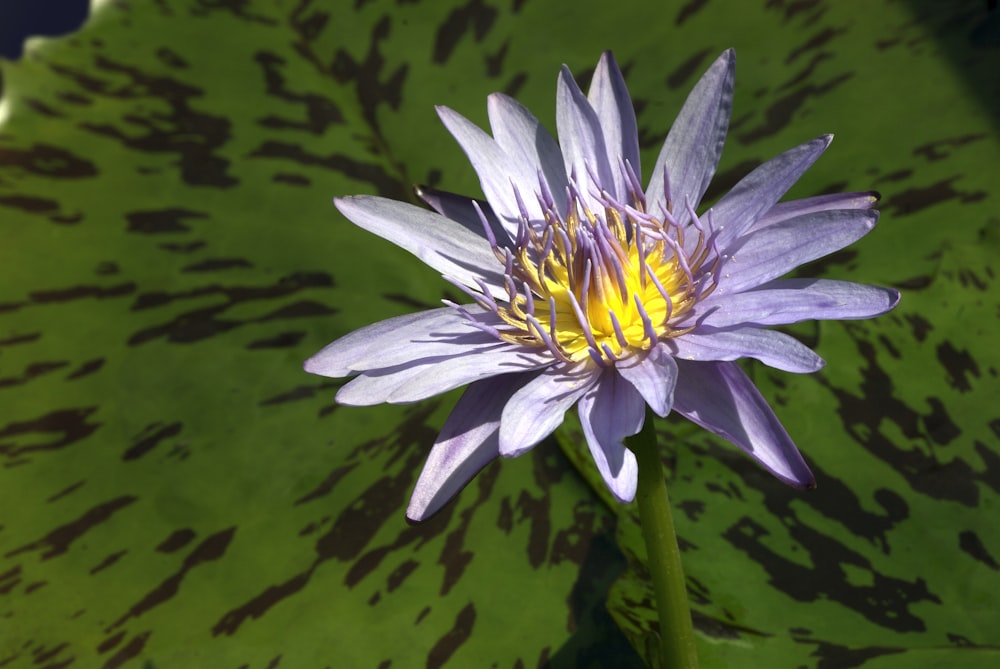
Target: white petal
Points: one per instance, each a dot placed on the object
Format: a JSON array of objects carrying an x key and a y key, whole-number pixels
[
  {"x": 468, "y": 441},
  {"x": 610, "y": 411},
  {"x": 609, "y": 97},
  {"x": 722, "y": 399},
  {"x": 498, "y": 173},
  {"x": 693, "y": 146},
  {"x": 773, "y": 348},
  {"x": 441, "y": 243},
  {"x": 538, "y": 408},
  {"x": 395, "y": 341},
  {"x": 766, "y": 254},
  {"x": 527, "y": 142},
  {"x": 582, "y": 141},
  {"x": 422, "y": 379},
  {"x": 654, "y": 375},
  {"x": 757, "y": 192}
]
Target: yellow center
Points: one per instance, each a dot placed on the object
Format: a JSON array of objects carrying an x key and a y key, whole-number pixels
[{"x": 599, "y": 287}]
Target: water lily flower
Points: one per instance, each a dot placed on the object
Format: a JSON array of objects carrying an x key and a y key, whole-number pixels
[{"x": 587, "y": 289}]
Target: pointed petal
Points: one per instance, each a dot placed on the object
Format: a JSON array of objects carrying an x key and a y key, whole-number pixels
[
  {"x": 460, "y": 209},
  {"x": 538, "y": 408},
  {"x": 522, "y": 137},
  {"x": 721, "y": 398},
  {"x": 582, "y": 140},
  {"x": 852, "y": 300},
  {"x": 468, "y": 441},
  {"x": 610, "y": 99},
  {"x": 758, "y": 191},
  {"x": 426, "y": 335},
  {"x": 773, "y": 348},
  {"x": 769, "y": 253},
  {"x": 654, "y": 375},
  {"x": 784, "y": 211},
  {"x": 339, "y": 358},
  {"x": 499, "y": 174},
  {"x": 425, "y": 378},
  {"x": 441, "y": 243},
  {"x": 693, "y": 146},
  {"x": 793, "y": 300},
  {"x": 610, "y": 411}
]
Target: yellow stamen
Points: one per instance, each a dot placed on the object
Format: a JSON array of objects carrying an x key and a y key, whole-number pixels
[{"x": 601, "y": 288}]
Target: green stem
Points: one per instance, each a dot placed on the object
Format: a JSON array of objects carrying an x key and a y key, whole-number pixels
[{"x": 677, "y": 646}]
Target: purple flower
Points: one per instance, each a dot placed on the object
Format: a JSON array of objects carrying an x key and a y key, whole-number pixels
[{"x": 587, "y": 289}]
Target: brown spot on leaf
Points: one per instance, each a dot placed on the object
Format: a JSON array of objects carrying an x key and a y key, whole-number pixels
[
  {"x": 387, "y": 184},
  {"x": 319, "y": 112},
  {"x": 59, "y": 540},
  {"x": 48, "y": 161},
  {"x": 86, "y": 368},
  {"x": 10, "y": 579},
  {"x": 129, "y": 651},
  {"x": 474, "y": 16},
  {"x": 177, "y": 540},
  {"x": 282, "y": 340},
  {"x": 161, "y": 221},
  {"x": 259, "y": 605},
  {"x": 209, "y": 550},
  {"x": 933, "y": 151},
  {"x": 779, "y": 114},
  {"x": 71, "y": 425},
  {"x": 149, "y": 438},
  {"x": 689, "y": 10},
  {"x": 110, "y": 642},
  {"x": 108, "y": 561},
  {"x": 217, "y": 264},
  {"x": 453, "y": 639},
  {"x": 972, "y": 545},
  {"x": 193, "y": 136},
  {"x": 919, "y": 326},
  {"x": 205, "y": 322},
  {"x": 913, "y": 200},
  {"x": 32, "y": 371},
  {"x": 958, "y": 364},
  {"x": 291, "y": 179},
  {"x": 20, "y": 339},
  {"x": 300, "y": 393},
  {"x": 66, "y": 491}
]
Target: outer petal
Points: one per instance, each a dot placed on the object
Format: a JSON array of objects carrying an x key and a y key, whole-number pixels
[
  {"x": 537, "y": 409},
  {"x": 439, "y": 242},
  {"x": 582, "y": 140},
  {"x": 609, "y": 97},
  {"x": 784, "y": 211},
  {"x": 337, "y": 358},
  {"x": 654, "y": 375},
  {"x": 757, "y": 192},
  {"x": 498, "y": 174},
  {"x": 468, "y": 441},
  {"x": 437, "y": 334},
  {"x": 773, "y": 348},
  {"x": 421, "y": 379},
  {"x": 793, "y": 300},
  {"x": 522, "y": 137},
  {"x": 778, "y": 249},
  {"x": 693, "y": 146},
  {"x": 610, "y": 411},
  {"x": 460, "y": 209},
  {"x": 719, "y": 397}
]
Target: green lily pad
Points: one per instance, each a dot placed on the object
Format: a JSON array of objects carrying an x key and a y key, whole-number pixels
[{"x": 175, "y": 491}]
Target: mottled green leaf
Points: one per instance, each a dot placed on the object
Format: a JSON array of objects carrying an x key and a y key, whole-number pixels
[
  {"x": 177, "y": 492},
  {"x": 892, "y": 560}
]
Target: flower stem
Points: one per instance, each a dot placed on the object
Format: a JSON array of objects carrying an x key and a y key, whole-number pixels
[{"x": 677, "y": 646}]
